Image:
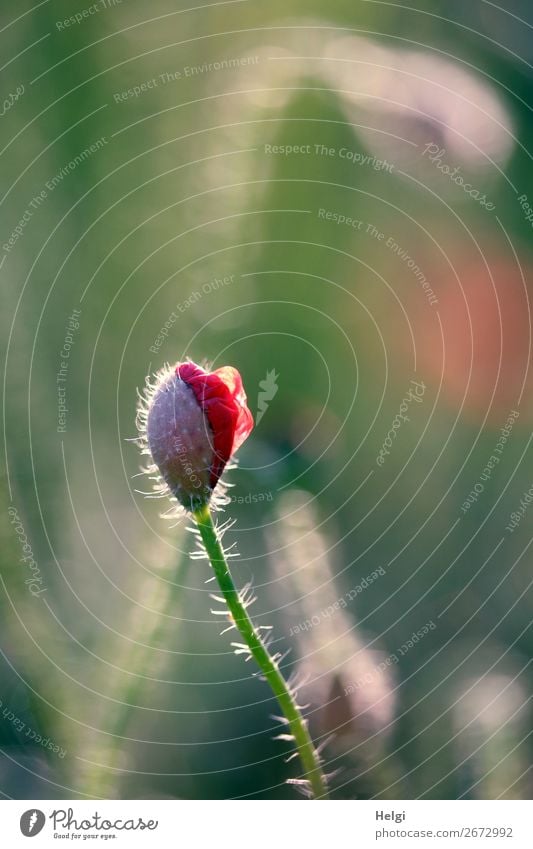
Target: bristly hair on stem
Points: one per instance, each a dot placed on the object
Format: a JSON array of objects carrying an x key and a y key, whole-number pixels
[{"x": 254, "y": 645}]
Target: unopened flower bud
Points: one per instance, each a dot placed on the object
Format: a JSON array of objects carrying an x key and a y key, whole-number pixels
[{"x": 191, "y": 422}]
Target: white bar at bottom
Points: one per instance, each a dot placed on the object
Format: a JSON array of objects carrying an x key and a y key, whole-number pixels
[{"x": 268, "y": 824}]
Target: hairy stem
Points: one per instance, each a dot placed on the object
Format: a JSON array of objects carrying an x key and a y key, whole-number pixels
[{"x": 243, "y": 623}]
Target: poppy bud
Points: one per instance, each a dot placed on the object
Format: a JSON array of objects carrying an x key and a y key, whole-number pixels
[{"x": 191, "y": 422}]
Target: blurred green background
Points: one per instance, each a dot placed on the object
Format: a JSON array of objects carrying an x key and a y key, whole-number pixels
[{"x": 277, "y": 187}]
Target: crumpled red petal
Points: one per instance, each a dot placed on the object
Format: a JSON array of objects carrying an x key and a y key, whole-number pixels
[{"x": 222, "y": 398}]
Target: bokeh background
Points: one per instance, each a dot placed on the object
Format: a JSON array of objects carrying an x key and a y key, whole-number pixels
[{"x": 336, "y": 199}]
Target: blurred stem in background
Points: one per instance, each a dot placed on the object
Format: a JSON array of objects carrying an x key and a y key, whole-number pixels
[
  {"x": 315, "y": 780},
  {"x": 106, "y": 780}
]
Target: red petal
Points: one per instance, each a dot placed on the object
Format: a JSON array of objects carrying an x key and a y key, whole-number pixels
[
  {"x": 245, "y": 422},
  {"x": 222, "y": 398}
]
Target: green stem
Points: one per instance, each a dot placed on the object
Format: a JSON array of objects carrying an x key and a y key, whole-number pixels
[{"x": 269, "y": 668}]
